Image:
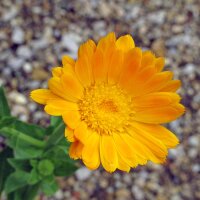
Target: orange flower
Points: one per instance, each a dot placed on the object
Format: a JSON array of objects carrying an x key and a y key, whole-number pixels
[{"x": 113, "y": 99}]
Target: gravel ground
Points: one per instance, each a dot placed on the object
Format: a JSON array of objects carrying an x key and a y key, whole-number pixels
[{"x": 35, "y": 34}]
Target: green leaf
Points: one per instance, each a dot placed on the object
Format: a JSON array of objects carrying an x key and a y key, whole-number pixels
[
  {"x": 4, "y": 108},
  {"x": 19, "y": 164},
  {"x": 55, "y": 120},
  {"x": 49, "y": 186},
  {"x": 16, "y": 180},
  {"x": 5, "y": 168},
  {"x": 30, "y": 129},
  {"x": 6, "y": 121},
  {"x": 34, "y": 163},
  {"x": 45, "y": 167},
  {"x": 34, "y": 177},
  {"x": 25, "y": 146}
]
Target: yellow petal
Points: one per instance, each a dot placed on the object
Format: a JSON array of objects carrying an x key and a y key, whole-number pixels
[
  {"x": 83, "y": 67},
  {"x": 125, "y": 43},
  {"x": 72, "y": 85},
  {"x": 159, "y": 64},
  {"x": 126, "y": 152},
  {"x": 59, "y": 106},
  {"x": 42, "y": 95},
  {"x": 90, "y": 154},
  {"x": 158, "y": 132},
  {"x": 122, "y": 165},
  {"x": 159, "y": 115},
  {"x": 108, "y": 153},
  {"x": 75, "y": 150},
  {"x": 140, "y": 152},
  {"x": 132, "y": 62},
  {"x": 158, "y": 149},
  {"x": 57, "y": 88},
  {"x": 81, "y": 132},
  {"x": 71, "y": 118},
  {"x": 69, "y": 134},
  {"x": 57, "y": 71}
]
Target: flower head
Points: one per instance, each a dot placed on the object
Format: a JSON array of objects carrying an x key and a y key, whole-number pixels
[{"x": 113, "y": 99}]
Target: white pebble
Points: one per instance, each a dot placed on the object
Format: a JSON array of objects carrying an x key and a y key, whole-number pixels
[{"x": 83, "y": 173}]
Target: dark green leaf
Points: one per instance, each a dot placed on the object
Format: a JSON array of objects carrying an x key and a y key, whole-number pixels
[
  {"x": 31, "y": 192},
  {"x": 16, "y": 180},
  {"x": 49, "y": 186},
  {"x": 27, "y": 192},
  {"x": 19, "y": 164},
  {"x": 4, "y": 108},
  {"x": 45, "y": 167},
  {"x": 5, "y": 168},
  {"x": 65, "y": 168},
  {"x": 6, "y": 121}
]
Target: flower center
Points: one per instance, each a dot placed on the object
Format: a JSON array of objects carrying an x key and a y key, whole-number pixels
[{"x": 105, "y": 108}]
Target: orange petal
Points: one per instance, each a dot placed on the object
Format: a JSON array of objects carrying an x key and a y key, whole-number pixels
[
  {"x": 132, "y": 62},
  {"x": 107, "y": 41},
  {"x": 72, "y": 85},
  {"x": 81, "y": 132},
  {"x": 57, "y": 71},
  {"x": 159, "y": 64},
  {"x": 158, "y": 132},
  {"x": 67, "y": 60},
  {"x": 125, "y": 43},
  {"x": 71, "y": 118},
  {"x": 100, "y": 69},
  {"x": 83, "y": 67},
  {"x": 42, "y": 95},
  {"x": 159, "y": 115},
  {"x": 75, "y": 150},
  {"x": 157, "y": 81},
  {"x": 90, "y": 154},
  {"x": 157, "y": 99},
  {"x": 69, "y": 134},
  {"x": 115, "y": 66},
  {"x": 171, "y": 86},
  {"x": 148, "y": 59},
  {"x": 59, "y": 106},
  {"x": 108, "y": 153}
]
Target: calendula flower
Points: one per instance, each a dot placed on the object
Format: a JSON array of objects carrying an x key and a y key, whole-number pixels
[{"x": 113, "y": 99}]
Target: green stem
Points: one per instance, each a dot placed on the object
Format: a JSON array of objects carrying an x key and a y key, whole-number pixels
[
  {"x": 11, "y": 131},
  {"x": 56, "y": 136}
]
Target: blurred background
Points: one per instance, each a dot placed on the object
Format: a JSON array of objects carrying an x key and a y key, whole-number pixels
[{"x": 35, "y": 34}]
